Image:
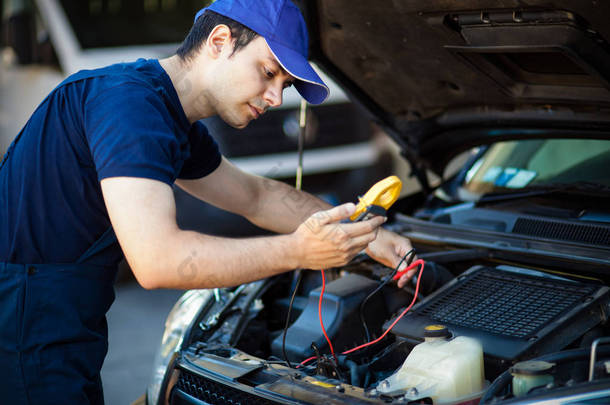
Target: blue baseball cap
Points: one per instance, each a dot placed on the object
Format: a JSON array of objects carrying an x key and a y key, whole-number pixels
[{"x": 282, "y": 26}]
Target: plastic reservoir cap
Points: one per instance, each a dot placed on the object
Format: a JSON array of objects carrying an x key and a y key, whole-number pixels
[
  {"x": 436, "y": 331},
  {"x": 532, "y": 367}
]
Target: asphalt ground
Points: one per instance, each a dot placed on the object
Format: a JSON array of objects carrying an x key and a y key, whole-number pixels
[{"x": 136, "y": 322}]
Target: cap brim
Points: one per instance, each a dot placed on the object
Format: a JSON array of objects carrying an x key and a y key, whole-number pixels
[{"x": 308, "y": 83}]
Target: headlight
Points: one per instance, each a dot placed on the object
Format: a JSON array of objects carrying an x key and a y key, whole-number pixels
[{"x": 178, "y": 321}]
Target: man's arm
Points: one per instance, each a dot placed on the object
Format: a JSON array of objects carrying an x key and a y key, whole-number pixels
[
  {"x": 142, "y": 213},
  {"x": 267, "y": 203},
  {"x": 281, "y": 208}
]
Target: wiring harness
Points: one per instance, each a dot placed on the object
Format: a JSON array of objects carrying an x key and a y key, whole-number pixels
[{"x": 416, "y": 264}]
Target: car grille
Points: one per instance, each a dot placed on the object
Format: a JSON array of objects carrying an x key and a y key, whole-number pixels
[
  {"x": 596, "y": 235},
  {"x": 213, "y": 392}
]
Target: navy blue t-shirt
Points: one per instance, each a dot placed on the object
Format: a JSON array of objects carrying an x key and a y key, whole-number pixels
[{"x": 122, "y": 120}]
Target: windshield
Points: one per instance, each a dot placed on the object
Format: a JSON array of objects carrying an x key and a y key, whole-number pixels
[{"x": 514, "y": 165}]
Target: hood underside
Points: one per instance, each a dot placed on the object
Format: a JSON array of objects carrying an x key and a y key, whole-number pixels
[{"x": 443, "y": 75}]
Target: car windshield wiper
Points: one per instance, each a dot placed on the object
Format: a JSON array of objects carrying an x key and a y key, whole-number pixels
[{"x": 581, "y": 187}]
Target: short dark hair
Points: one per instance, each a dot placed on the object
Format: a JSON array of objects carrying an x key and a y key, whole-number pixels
[{"x": 204, "y": 25}]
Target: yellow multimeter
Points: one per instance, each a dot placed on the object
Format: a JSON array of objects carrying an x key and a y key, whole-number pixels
[{"x": 378, "y": 199}]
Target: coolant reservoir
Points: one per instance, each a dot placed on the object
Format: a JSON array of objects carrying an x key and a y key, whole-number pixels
[
  {"x": 531, "y": 374},
  {"x": 449, "y": 371}
]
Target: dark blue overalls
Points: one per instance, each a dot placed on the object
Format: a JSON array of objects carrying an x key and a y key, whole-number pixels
[
  {"x": 53, "y": 331},
  {"x": 54, "y": 336}
]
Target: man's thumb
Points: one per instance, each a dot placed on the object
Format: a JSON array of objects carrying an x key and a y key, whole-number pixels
[{"x": 336, "y": 214}]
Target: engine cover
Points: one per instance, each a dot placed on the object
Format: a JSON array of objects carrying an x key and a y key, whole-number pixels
[
  {"x": 340, "y": 313},
  {"x": 514, "y": 313}
]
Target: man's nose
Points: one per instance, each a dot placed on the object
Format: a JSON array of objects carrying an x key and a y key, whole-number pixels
[{"x": 273, "y": 95}]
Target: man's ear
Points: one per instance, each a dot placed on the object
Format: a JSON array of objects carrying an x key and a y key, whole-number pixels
[{"x": 220, "y": 38}]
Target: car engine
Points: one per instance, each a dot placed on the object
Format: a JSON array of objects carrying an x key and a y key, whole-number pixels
[{"x": 535, "y": 326}]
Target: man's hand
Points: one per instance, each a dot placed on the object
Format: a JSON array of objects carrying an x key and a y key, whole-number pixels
[
  {"x": 388, "y": 248},
  {"x": 325, "y": 242}
]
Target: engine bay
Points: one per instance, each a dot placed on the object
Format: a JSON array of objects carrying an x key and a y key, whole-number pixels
[{"x": 522, "y": 315}]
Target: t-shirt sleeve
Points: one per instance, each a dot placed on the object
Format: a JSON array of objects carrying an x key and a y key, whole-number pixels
[
  {"x": 131, "y": 133},
  {"x": 205, "y": 156}
]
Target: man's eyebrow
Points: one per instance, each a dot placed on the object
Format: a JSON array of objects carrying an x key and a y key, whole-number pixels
[{"x": 278, "y": 66}]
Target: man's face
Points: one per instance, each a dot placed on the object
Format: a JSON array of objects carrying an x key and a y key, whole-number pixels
[{"x": 247, "y": 83}]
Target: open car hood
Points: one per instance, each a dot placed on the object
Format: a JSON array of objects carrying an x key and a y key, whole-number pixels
[{"x": 442, "y": 76}]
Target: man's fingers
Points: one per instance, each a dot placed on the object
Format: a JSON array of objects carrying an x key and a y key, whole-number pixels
[
  {"x": 403, "y": 247},
  {"x": 334, "y": 214},
  {"x": 361, "y": 242},
  {"x": 402, "y": 281},
  {"x": 363, "y": 227},
  {"x": 402, "y": 266},
  {"x": 401, "y": 251}
]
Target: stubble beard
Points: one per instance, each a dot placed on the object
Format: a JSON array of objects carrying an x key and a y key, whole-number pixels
[{"x": 230, "y": 113}]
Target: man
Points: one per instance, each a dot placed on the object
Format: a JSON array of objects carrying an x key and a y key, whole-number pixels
[{"x": 98, "y": 158}]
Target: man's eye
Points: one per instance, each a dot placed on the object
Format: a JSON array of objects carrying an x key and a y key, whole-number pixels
[{"x": 269, "y": 74}]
